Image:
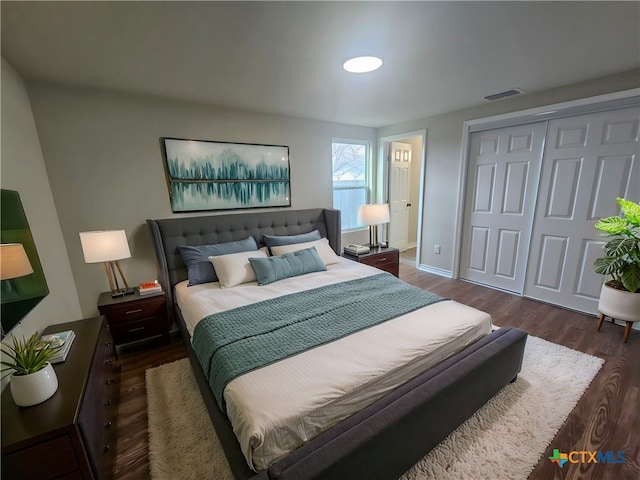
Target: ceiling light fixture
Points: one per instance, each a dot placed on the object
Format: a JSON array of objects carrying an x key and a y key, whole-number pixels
[{"x": 362, "y": 64}]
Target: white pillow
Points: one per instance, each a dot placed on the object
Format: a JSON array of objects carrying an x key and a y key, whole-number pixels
[
  {"x": 235, "y": 268},
  {"x": 325, "y": 251}
]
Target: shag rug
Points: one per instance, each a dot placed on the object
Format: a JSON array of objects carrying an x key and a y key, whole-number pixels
[{"x": 503, "y": 440}]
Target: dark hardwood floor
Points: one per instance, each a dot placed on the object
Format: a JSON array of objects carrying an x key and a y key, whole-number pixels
[{"x": 606, "y": 418}]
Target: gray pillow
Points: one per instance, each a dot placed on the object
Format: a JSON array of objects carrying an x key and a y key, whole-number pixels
[
  {"x": 271, "y": 269},
  {"x": 277, "y": 240},
  {"x": 196, "y": 258}
]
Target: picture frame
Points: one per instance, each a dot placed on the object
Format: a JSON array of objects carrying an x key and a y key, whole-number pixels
[
  {"x": 18, "y": 296},
  {"x": 211, "y": 175}
]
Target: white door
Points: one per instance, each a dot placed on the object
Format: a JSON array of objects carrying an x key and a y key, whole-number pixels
[
  {"x": 503, "y": 173},
  {"x": 589, "y": 160},
  {"x": 399, "y": 195}
]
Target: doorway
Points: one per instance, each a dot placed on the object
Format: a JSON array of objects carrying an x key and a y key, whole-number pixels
[{"x": 402, "y": 173}]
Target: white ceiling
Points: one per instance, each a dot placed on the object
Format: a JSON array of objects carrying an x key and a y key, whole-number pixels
[{"x": 286, "y": 57}]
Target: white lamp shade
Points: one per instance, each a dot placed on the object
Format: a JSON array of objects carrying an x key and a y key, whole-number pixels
[
  {"x": 14, "y": 262},
  {"x": 373, "y": 214},
  {"x": 104, "y": 246}
]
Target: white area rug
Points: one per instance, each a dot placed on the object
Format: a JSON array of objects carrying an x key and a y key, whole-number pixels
[{"x": 503, "y": 440}]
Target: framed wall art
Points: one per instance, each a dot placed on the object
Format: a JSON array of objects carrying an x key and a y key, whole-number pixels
[{"x": 207, "y": 175}]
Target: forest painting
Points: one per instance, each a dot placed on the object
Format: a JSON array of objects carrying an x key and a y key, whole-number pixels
[{"x": 205, "y": 175}]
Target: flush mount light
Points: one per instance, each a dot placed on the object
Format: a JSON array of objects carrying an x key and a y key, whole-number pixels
[{"x": 362, "y": 64}]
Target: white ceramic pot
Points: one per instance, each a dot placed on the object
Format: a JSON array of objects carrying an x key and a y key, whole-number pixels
[
  {"x": 619, "y": 304},
  {"x": 35, "y": 388}
]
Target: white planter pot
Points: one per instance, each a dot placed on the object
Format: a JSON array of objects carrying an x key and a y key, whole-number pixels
[
  {"x": 35, "y": 388},
  {"x": 619, "y": 304}
]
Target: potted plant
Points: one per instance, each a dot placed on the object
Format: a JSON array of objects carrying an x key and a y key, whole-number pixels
[
  {"x": 33, "y": 379},
  {"x": 620, "y": 295}
]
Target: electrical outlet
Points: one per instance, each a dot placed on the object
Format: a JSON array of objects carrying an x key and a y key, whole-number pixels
[{"x": 436, "y": 248}]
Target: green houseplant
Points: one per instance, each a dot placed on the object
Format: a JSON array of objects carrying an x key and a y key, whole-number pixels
[
  {"x": 33, "y": 379},
  {"x": 620, "y": 296},
  {"x": 621, "y": 260}
]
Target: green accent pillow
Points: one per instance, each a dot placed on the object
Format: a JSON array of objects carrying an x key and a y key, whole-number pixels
[{"x": 271, "y": 269}]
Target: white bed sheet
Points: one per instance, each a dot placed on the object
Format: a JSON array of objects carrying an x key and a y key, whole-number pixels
[{"x": 276, "y": 409}]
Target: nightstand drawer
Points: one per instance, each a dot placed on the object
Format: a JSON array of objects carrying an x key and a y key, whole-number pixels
[
  {"x": 132, "y": 311},
  {"x": 131, "y": 331},
  {"x": 391, "y": 267},
  {"x": 387, "y": 259},
  {"x": 381, "y": 259}
]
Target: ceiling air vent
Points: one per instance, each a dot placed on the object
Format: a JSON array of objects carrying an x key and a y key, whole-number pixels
[{"x": 508, "y": 93}]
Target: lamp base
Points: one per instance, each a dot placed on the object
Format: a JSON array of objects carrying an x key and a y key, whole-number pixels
[
  {"x": 122, "y": 292},
  {"x": 373, "y": 235}
]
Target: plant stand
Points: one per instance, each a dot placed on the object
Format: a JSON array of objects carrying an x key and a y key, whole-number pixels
[{"x": 620, "y": 305}]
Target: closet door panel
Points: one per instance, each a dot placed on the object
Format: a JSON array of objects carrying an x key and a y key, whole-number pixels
[
  {"x": 588, "y": 161},
  {"x": 504, "y": 166}
]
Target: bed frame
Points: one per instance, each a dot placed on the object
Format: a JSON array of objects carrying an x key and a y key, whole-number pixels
[{"x": 385, "y": 439}]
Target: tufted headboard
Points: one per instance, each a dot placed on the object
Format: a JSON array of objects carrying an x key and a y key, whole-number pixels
[{"x": 206, "y": 230}]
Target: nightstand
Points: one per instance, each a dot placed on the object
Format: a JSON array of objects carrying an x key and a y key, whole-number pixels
[
  {"x": 387, "y": 259},
  {"x": 135, "y": 317}
]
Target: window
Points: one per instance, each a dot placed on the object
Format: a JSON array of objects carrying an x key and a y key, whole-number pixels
[{"x": 351, "y": 179}]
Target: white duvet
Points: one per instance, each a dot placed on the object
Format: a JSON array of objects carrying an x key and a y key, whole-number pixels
[{"x": 276, "y": 409}]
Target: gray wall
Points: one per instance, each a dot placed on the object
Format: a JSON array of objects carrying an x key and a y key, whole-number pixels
[
  {"x": 443, "y": 149},
  {"x": 23, "y": 170},
  {"x": 103, "y": 157},
  {"x": 100, "y": 167}
]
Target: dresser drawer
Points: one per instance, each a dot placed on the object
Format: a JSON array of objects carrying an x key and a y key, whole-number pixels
[
  {"x": 132, "y": 331},
  {"x": 129, "y": 312},
  {"x": 56, "y": 454},
  {"x": 99, "y": 408}
]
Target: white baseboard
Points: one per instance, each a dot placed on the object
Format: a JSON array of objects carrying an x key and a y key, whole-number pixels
[{"x": 436, "y": 271}]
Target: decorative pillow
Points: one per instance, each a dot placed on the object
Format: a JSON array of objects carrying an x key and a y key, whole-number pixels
[
  {"x": 325, "y": 251},
  {"x": 270, "y": 269},
  {"x": 275, "y": 240},
  {"x": 196, "y": 258},
  {"x": 234, "y": 269}
]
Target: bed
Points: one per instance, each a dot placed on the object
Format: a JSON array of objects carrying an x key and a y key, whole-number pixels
[{"x": 378, "y": 438}]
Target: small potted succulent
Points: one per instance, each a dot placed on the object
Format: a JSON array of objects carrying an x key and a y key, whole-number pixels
[
  {"x": 620, "y": 295},
  {"x": 33, "y": 379}
]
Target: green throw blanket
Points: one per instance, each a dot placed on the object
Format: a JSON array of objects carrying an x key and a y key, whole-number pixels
[{"x": 231, "y": 343}]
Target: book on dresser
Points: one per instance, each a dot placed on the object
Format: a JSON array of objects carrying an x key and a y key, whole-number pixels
[{"x": 63, "y": 340}]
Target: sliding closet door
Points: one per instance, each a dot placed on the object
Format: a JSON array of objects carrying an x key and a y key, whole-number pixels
[
  {"x": 503, "y": 172},
  {"x": 589, "y": 160}
]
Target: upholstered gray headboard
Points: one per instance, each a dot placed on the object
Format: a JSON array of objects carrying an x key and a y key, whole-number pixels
[{"x": 206, "y": 230}]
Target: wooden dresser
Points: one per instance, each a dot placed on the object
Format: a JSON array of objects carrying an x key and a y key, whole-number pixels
[
  {"x": 387, "y": 259},
  {"x": 72, "y": 435}
]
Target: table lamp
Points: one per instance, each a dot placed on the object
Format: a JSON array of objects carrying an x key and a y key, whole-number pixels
[
  {"x": 108, "y": 246},
  {"x": 373, "y": 215}
]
